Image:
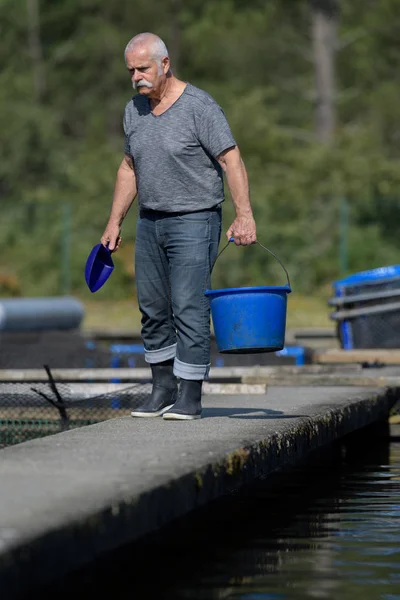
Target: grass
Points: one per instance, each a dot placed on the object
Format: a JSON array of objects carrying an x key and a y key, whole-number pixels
[
  {"x": 303, "y": 311},
  {"x": 111, "y": 314},
  {"x": 308, "y": 311}
]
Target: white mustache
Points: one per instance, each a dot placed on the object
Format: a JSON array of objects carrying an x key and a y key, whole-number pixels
[{"x": 141, "y": 83}]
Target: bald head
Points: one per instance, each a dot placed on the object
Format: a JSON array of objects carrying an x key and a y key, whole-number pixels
[{"x": 147, "y": 42}]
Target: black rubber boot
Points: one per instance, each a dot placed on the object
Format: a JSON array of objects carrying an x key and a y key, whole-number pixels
[
  {"x": 163, "y": 393},
  {"x": 188, "y": 404}
]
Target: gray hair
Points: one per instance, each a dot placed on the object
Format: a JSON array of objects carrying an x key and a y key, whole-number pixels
[{"x": 156, "y": 46}]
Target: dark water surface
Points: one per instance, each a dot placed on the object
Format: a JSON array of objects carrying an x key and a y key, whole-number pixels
[{"x": 331, "y": 531}]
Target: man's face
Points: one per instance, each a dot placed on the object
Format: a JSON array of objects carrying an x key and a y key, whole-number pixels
[{"x": 146, "y": 74}]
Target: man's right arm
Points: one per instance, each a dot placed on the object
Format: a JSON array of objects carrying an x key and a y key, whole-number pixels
[{"x": 125, "y": 191}]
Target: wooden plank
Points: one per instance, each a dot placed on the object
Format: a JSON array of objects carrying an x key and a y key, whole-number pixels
[
  {"x": 221, "y": 374},
  {"x": 43, "y": 413},
  {"x": 368, "y": 356},
  {"x": 112, "y": 334},
  {"x": 95, "y": 374},
  {"x": 312, "y": 332},
  {"x": 328, "y": 380},
  {"x": 77, "y": 391}
]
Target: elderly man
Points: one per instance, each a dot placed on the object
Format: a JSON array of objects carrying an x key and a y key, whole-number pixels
[{"x": 177, "y": 145}]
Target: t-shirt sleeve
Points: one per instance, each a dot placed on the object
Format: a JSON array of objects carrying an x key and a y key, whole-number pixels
[
  {"x": 126, "y": 125},
  {"x": 213, "y": 131}
]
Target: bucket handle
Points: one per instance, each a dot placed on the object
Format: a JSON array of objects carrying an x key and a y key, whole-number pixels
[{"x": 270, "y": 251}]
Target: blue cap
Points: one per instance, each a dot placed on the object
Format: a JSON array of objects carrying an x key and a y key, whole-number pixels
[{"x": 99, "y": 267}]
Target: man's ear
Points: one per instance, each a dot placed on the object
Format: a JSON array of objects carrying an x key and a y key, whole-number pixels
[{"x": 166, "y": 65}]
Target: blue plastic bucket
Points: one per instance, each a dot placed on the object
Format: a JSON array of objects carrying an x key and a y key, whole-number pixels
[{"x": 251, "y": 319}]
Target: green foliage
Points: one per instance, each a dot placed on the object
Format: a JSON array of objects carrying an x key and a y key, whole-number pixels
[{"x": 62, "y": 145}]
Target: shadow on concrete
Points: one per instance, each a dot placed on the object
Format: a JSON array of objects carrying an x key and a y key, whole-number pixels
[{"x": 246, "y": 413}]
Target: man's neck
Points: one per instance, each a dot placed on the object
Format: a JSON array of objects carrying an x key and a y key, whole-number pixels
[{"x": 172, "y": 88}]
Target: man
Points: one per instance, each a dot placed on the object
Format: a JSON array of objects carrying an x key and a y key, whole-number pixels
[{"x": 177, "y": 144}]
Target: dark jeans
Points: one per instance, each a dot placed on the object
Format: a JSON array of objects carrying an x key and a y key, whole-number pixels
[{"x": 174, "y": 256}]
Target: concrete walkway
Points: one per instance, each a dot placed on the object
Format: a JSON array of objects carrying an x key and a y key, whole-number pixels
[{"x": 65, "y": 498}]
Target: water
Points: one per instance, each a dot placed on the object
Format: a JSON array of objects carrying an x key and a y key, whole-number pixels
[{"x": 330, "y": 532}]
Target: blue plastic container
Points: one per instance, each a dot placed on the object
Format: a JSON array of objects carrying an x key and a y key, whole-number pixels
[
  {"x": 298, "y": 352},
  {"x": 366, "y": 279},
  {"x": 250, "y": 320},
  {"x": 372, "y": 329}
]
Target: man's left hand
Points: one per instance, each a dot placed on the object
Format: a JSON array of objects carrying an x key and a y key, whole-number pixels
[{"x": 243, "y": 230}]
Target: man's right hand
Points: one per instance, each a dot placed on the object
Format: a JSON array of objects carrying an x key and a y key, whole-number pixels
[{"x": 111, "y": 237}]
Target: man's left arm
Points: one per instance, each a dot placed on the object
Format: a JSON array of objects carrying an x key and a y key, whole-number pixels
[{"x": 243, "y": 228}]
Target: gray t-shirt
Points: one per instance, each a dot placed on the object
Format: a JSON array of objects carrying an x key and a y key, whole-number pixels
[{"x": 174, "y": 153}]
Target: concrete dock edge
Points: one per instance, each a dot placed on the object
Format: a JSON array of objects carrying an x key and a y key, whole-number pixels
[{"x": 53, "y": 549}]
